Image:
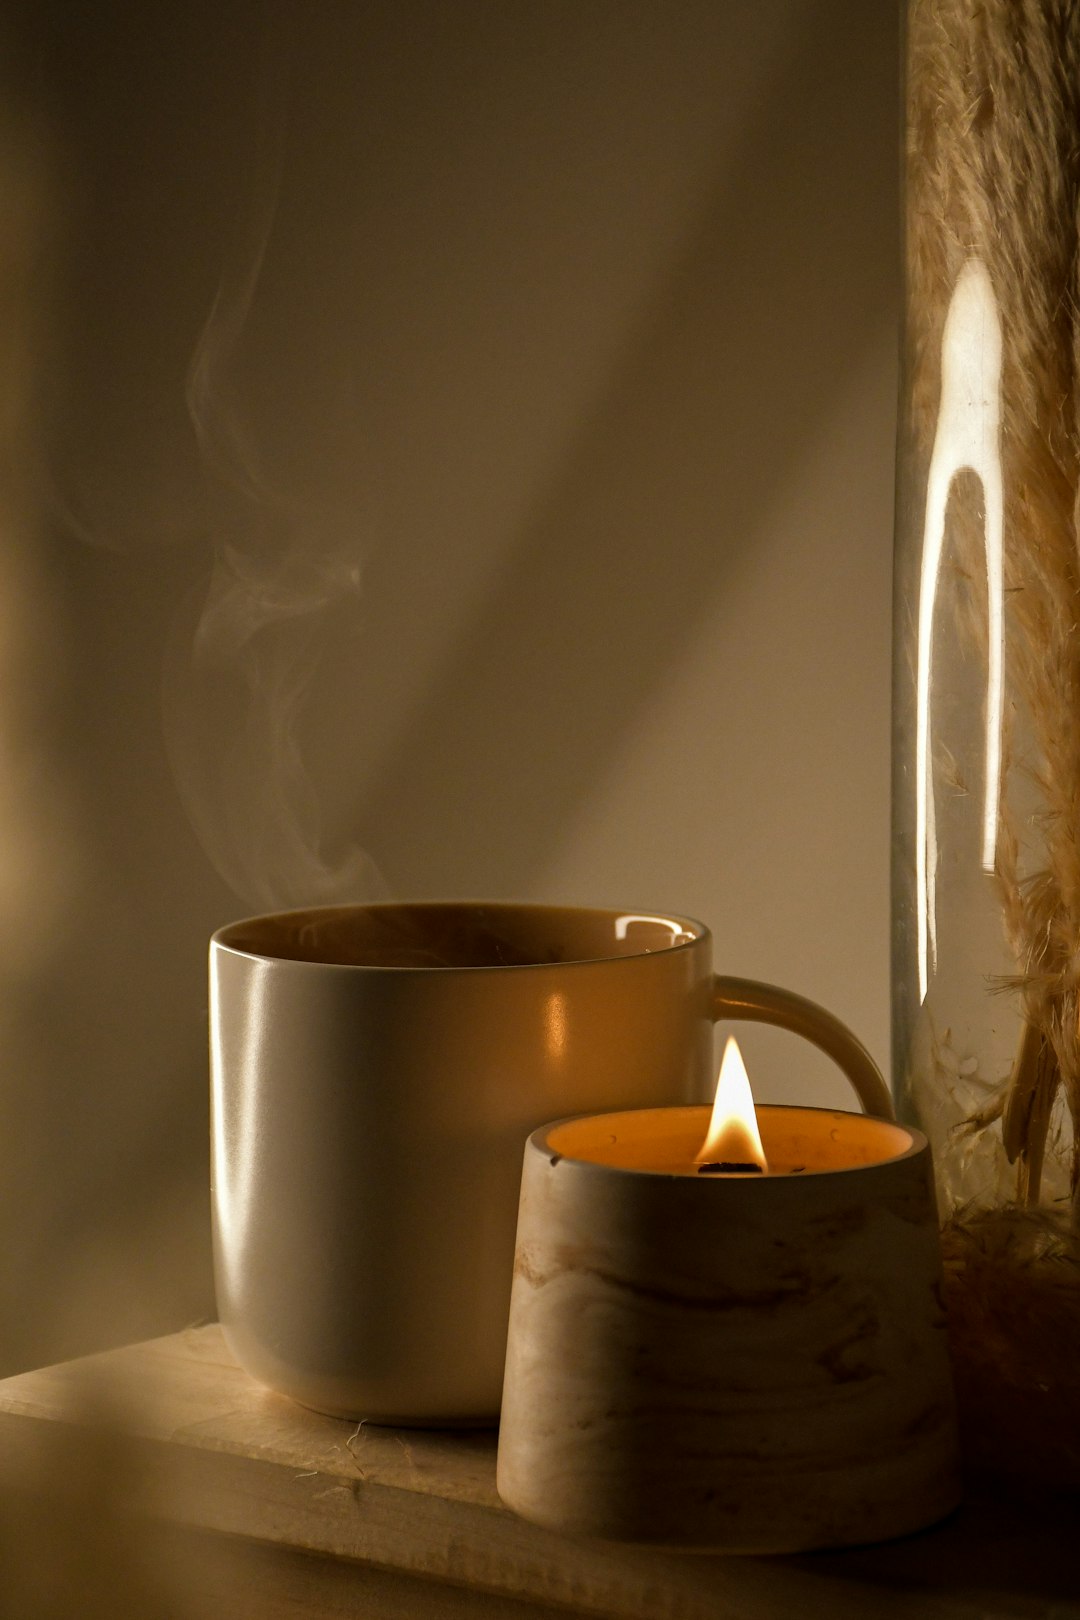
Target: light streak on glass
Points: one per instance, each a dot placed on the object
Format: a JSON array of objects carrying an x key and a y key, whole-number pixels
[{"x": 968, "y": 436}]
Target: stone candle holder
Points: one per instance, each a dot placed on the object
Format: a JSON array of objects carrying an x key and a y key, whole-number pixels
[{"x": 728, "y": 1362}]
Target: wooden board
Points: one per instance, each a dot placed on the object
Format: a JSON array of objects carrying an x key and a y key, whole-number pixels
[{"x": 173, "y": 1436}]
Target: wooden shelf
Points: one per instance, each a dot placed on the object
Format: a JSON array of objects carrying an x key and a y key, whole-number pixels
[{"x": 260, "y": 1508}]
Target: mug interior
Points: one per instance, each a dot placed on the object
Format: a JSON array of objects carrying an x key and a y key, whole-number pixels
[{"x": 457, "y": 934}]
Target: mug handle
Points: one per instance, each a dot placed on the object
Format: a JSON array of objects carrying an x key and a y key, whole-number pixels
[{"x": 768, "y": 1004}]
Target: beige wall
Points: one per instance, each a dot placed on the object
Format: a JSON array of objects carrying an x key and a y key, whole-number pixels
[{"x": 574, "y": 328}]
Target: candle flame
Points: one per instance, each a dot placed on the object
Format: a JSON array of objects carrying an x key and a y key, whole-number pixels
[{"x": 733, "y": 1129}]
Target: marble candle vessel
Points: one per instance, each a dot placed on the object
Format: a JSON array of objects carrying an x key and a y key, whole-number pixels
[{"x": 740, "y": 1363}]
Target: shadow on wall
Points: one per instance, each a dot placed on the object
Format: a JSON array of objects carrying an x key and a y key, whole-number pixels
[
  {"x": 103, "y": 1092},
  {"x": 771, "y": 306}
]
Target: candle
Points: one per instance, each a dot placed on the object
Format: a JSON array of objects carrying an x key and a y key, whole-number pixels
[
  {"x": 734, "y": 1138},
  {"x": 728, "y": 1358}
]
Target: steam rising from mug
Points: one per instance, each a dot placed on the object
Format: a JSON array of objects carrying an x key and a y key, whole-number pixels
[{"x": 242, "y": 658}]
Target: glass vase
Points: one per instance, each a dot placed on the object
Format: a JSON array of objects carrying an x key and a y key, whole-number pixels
[{"x": 986, "y": 846}]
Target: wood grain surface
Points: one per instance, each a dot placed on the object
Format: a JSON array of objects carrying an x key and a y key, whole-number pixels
[{"x": 295, "y": 1513}]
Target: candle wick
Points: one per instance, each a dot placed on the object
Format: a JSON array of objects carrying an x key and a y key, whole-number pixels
[{"x": 729, "y": 1167}]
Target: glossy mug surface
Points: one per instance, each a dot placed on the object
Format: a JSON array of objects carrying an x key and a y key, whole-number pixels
[{"x": 375, "y": 1072}]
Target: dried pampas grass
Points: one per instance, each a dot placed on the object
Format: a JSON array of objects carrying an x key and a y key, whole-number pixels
[
  {"x": 993, "y": 174},
  {"x": 1012, "y": 1292}
]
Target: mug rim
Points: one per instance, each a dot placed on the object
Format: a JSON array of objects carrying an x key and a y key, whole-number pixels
[{"x": 697, "y": 930}]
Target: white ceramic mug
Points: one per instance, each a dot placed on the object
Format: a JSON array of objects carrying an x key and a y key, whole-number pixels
[{"x": 375, "y": 1072}]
